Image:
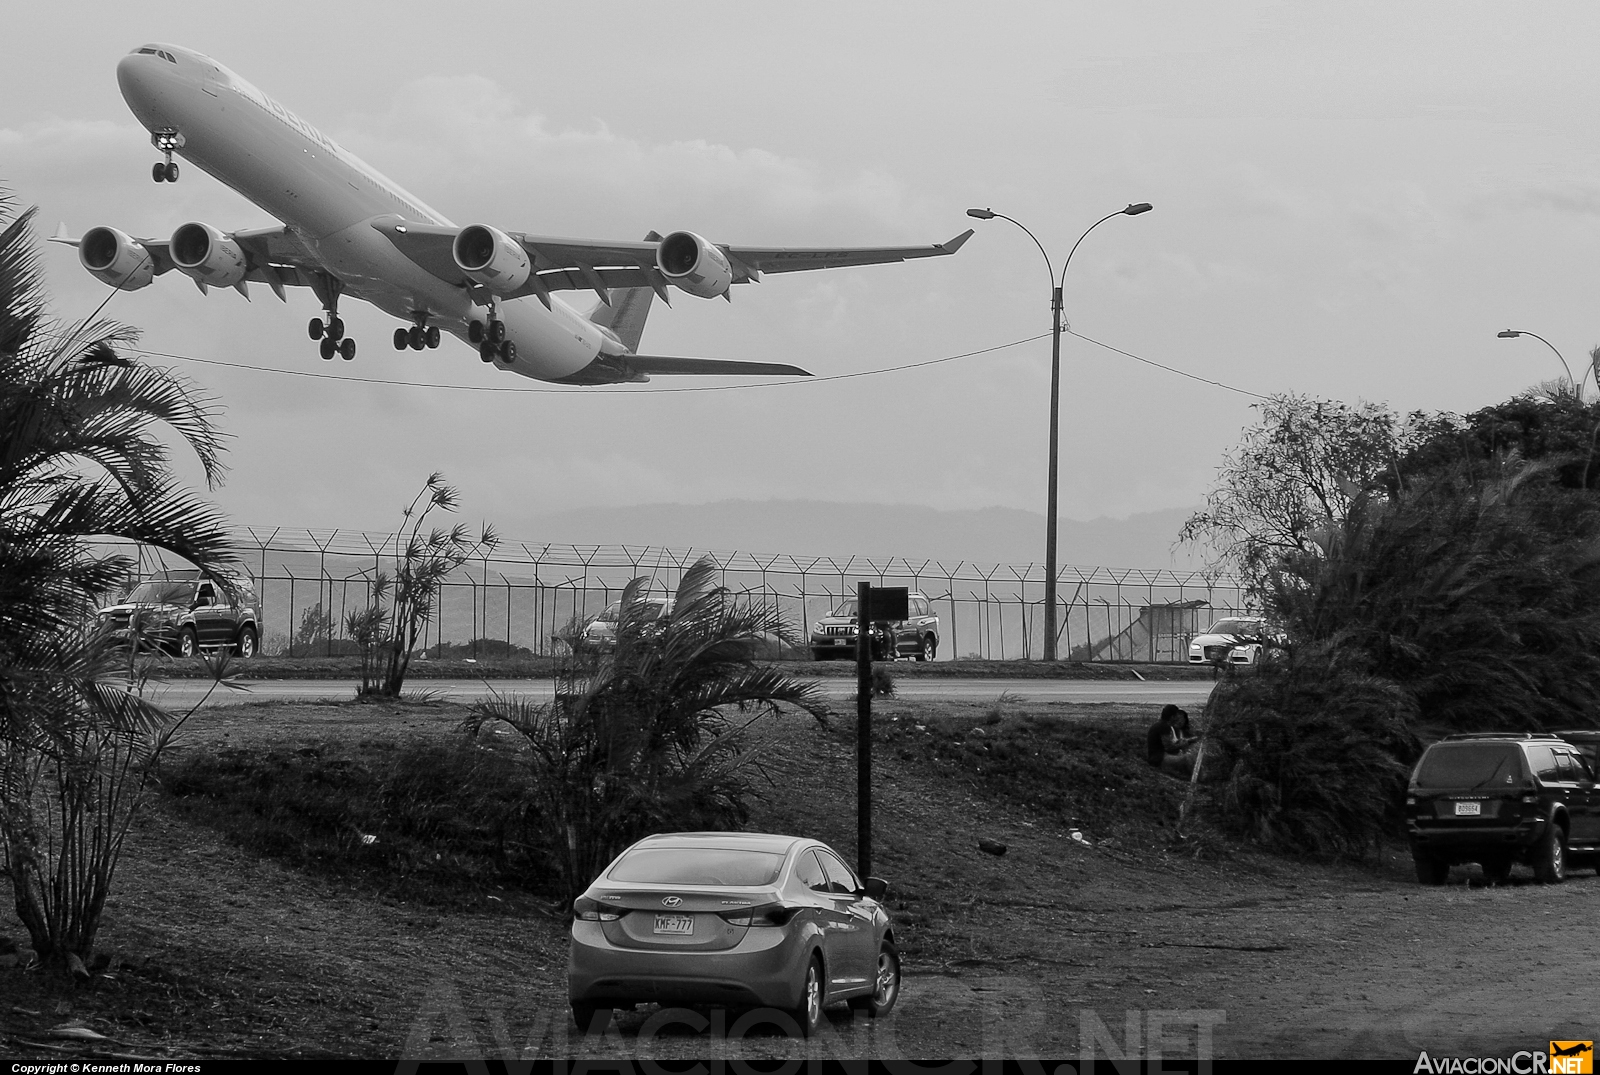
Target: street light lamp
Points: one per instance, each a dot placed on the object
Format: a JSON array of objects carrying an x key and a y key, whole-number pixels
[
  {"x": 1513, "y": 333},
  {"x": 1057, "y": 284}
]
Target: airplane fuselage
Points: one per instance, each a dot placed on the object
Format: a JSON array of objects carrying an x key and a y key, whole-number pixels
[{"x": 330, "y": 199}]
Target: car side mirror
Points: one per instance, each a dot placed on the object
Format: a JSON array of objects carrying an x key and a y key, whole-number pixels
[{"x": 876, "y": 887}]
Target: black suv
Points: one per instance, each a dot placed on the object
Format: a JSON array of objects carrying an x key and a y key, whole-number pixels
[
  {"x": 1495, "y": 799},
  {"x": 835, "y": 634},
  {"x": 183, "y": 611}
]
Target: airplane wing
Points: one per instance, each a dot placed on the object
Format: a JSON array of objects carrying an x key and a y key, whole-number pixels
[
  {"x": 274, "y": 257},
  {"x": 584, "y": 264}
]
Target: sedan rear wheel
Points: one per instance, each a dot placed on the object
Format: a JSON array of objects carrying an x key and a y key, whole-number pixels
[
  {"x": 886, "y": 988},
  {"x": 809, "y": 1014}
]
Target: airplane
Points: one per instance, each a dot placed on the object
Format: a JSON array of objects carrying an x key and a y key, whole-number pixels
[{"x": 348, "y": 231}]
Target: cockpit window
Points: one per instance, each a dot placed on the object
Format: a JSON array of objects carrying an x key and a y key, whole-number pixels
[{"x": 148, "y": 51}]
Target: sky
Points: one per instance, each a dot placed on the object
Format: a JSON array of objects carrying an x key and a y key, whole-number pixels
[{"x": 1350, "y": 201}]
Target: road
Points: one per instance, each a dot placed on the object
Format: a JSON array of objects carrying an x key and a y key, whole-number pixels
[{"x": 185, "y": 693}]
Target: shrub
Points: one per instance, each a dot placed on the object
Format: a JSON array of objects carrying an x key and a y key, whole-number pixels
[{"x": 1309, "y": 761}]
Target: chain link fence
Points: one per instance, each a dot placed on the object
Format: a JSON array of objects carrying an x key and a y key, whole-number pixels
[{"x": 525, "y": 596}]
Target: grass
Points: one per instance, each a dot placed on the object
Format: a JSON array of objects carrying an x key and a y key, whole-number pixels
[
  {"x": 419, "y": 819},
  {"x": 439, "y": 816},
  {"x": 1089, "y": 772}
]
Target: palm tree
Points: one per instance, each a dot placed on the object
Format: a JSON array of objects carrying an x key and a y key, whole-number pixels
[
  {"x": 81, "y": 460},
  {"x": 653, "y": 734}
]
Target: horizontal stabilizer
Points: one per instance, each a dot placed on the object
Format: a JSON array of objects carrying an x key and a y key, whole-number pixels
[{"x": 710, "y": 367}]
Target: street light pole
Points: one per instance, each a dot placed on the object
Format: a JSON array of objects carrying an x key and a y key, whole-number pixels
[
  {"x": 1577, "y": 386},
  {"x": 1056, "y": 325}
]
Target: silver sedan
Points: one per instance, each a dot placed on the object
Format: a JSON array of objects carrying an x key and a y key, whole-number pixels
[{"x": 778, "y": 924}]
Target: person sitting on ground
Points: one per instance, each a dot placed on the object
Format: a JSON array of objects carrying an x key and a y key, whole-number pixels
[{"x": 1168, "y": 743}]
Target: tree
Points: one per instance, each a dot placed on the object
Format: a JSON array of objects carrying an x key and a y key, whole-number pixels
[
  {"x": 388, "y": 629},
  {"x": 653, "y": 734},
  {"x": 316, "y": 627},
  {"x": 1292, "y": 475},
  {"x": 81, "y": 458}
]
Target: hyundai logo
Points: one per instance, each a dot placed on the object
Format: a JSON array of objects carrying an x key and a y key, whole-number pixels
[{"x": 671, "y": 901}]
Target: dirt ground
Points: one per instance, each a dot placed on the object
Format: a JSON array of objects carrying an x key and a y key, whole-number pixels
[{"x": 1061, "y": 948}]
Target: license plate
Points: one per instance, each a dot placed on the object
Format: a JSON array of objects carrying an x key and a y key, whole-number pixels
[
  {"x": 681, "y": 925},
  {"x": 1469, "y": 809}
]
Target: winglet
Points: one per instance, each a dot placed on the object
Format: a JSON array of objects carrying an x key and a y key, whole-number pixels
[{"x": 955, "y": 244}]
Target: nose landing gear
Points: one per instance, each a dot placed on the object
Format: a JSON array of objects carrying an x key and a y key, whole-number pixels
[{"x": 165, "y": 171}]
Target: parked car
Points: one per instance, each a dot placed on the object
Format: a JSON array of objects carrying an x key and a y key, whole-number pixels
[
  {"x": 1235, "y": 642},
  {"x": 1501, "y": 798},
  {"x": 599, "y": 635},
  {"x": 834, "y": 636},
  {"x": 183, "y": 612},
  {"x": 731, "y": 919},
  {"x": 1587, "y": 740}
]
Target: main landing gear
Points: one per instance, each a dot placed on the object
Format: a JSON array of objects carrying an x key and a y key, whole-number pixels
[
  {"x": 418, "y": 336},
  {"x": 167, "y": 171},
  {"x": 491, "y": 341},
  {"x": 330, "y": 332}
]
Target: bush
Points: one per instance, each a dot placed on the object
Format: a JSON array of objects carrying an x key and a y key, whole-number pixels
[{"x": 1309, "y": 761}]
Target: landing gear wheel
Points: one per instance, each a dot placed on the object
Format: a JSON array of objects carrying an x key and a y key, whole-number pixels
[
  {"x": 1431, "y": 870},
  {"x": 591, "y": 1018},
  {"x": 430, "y": 336},
  {"x": 474, "y": 331},
  {"x": 508, "y": 352},
  {"x": 417, "y": 338},
  {"x": 487, "y": 351},
  {"x": 188, "y": 642},
  {"x": 315, "y": 329},
  {"x": 402, "y": 339},
  {"x": 245, "y": 648},
  {"x": 171, "y": 171},
  {"x": 809, "y": 1014},
  {"x": 930, "y": 646},
  {"x": 1497, "y": 871},
  {"x": 886, "y": 989},
  {"x": 347, "y": 348},
  {"x": 336, "y": 329},
  {"x": 327, "y": 348},
  {"x": 158, "y": 172},
  {"x": 1550, "y": 860},
  {"x": 497, "y": 331}
]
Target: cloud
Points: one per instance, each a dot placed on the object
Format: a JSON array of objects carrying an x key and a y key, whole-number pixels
[{"x": 468, "y": 136}]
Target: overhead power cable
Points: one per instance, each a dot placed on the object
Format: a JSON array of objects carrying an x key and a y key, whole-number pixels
[{"x": 617, "y": 390}]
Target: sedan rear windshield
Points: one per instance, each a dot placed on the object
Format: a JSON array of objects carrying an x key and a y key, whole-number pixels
[
  {"x": 1469, "y": 765},
  {"x": 698, "y": 866}
]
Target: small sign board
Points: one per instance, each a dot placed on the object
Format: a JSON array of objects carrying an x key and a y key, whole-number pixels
[{"x": 888, "y": 603}]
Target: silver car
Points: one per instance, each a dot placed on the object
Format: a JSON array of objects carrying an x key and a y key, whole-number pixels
[{"x": 732, "y": 919}]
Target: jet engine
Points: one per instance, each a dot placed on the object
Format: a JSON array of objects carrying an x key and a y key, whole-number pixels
[
  {"x": 112, "y": 257},
  {"x": 203, "y": 252},
  {"x": 492, "y": 258},
  {"x": 694, "y": 265}
]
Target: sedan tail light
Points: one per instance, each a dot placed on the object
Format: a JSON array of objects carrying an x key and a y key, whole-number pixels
[
  {"x": 591, "y": 911},
  {"x": 767, "y": 914}
]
